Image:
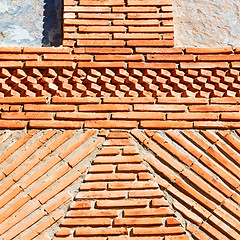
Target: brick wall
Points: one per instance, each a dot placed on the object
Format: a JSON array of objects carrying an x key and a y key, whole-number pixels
[{"x": 106, "y": 147}]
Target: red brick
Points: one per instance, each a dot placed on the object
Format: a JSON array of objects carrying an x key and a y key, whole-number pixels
[
  {"x": 128, "y": 100},
  {"x": 100, "y": 231},
  {"x": 54, "y": 124},
  {"x": 86, "y": 9},
  {"x": 89, "y": 149},
  {"x": 80, "y": 22},
  {"x": 158, "y": 231},
  {"x": 70, "y": 100},
  {"x": 131, "y": 168},
  {"x": 47, "y": 64},
  {"x": 158, "y": 107},
  {"x": 49, "y": 108},
  {"x": 85, "y": 204},
  {"x": 165, "y": 125},
  {"x": 134, "y": 9},
  {"x": 110, "y": 177},
  {"x": 110, "y": 124},
  {"x": 217, "y": 50},
  {"x": 109, "y": 151},
  {"x": 214, "y": 108},
  {"x": 86, "y": 222},
  {"x": 203, "y": 65},
  {"x": 170, "y": 57},
  {"x": 181, "y": 237},
  {"x": 10, "y": 124},
  {"x": 145, "y": 194},
  {"x": 117, "y": 159},
  {"x": 108, "y": 50},
  {"x": 121, "y": 203},
  {"x": 146, "y": 3},
  {"x": 63, "y": 232},
  {"x": 26, "y": 116},
  {"x": 193, "y": 116},
  {"x": 100, "y": 64},
  {"x": 104, "y": 107},
  {"x": 102, "y": 2},
  {"x": 138, "y": 115},
  {"x": 101, "y": 195},
  {"x": 136, "y": 185},
  {"x": 93, "y": 186},
  {"x": 57, "y": 203},
  {"x": 137, "y": 221},
  {"x": 130, "y": 151}
]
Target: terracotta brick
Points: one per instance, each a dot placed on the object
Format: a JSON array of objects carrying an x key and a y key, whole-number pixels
[
  {"x": 93, "y": 186},
  {"x": 91, "y": 213},
  {"x": 128, "y": 100},
  {"x": 194, "y": 218},
  {"x": 171, "y": 221},
  {"x": 144, "y": 176},
  {"x": 109, "y": 151},
  {"x": 101, "y": 169},
  {"x": 101, "y": 195},
  {"x": 203, "y": 65},
  {"x": 193, "y": 116},
  {"x": 47, "y": 64},
  {"x": 10, "y": 124},
  {"x": 219, "y": 171},
  {"x": 110, "y": 177},
  {"x": 161, "y": 203},
  {"x": 108, "y": 50},
  {"x": 89, "y": 149},
  {"x": 214, "y": 232},
  {"x": 57, "y": 203},
  {"x": 54, "y": 124},
  {"x": 160, "y": 168},
  {"x": 63, "y": 232},
  {"x": 131, "y": 168},
  {"x": 86, "y": 9},
  {"x": 224, "y": 161},
  {"x": 180, "y": 140},
  {"x": 118, "y": 142},
  {"x": 158, "y": 49},
  {"x": 165, "y": 125},
  {"x": 130, "y": 151},
  {"x": 181, "y": 237},
  {"x": 209, "y": 136},
  {"x": 81, "y": 116},
  {"x": 218, "y": 50},
  {"x": 26, "y": 116},
  {"x": 104, "y": 107},
  {"x": 110, "y": 124},
  {"x": 49, "y": 108},
  {"x": 50, "y": 180},
  {"x": 214, "y": 108},
  {"x": 24, "y": 212},
  {"x": 69, "y": 100},
  {"x": 137, "y": 185},
  {"x": 86, "y": 222},
  {"x": 117, "y": 159},
  {"x": 85, "y": 204},
  {"x": 145, "y": 194},
  {"x": 134, "y": 9},
  {"x": 173, "y": 150},
  {"x": 159, "y": 231},
  {"x": 138, "y": 115},
  {"x": 210, "y": 179},
  {"x": 137, "y": 221},
  {"x": 84, "y": 137},
  {"x": 102, "y": 3},
  {"x": 40, "y": 172},
  {"x": 100, "y": 231},
  {"x": 145, "y": 3},
  {"x": 51, "y": 193},
  {"x": 121, "y": 203},
  {"x": 197, "y": 233},
  {"x": 13, "y": 208},
  {"x": 151, "y": 65}
]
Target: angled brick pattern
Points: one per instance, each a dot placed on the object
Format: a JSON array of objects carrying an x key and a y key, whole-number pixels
[
  {"x": 199, "y": 171},
  {"x": 38, "y": 173}
]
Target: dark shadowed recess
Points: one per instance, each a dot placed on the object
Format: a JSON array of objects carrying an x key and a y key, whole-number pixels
[{"x": 52, "y": 23}]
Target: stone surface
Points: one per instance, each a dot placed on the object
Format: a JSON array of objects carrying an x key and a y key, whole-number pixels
[
  {"x": 30, "y": 22},
  {"x": 206, "y": 23}
]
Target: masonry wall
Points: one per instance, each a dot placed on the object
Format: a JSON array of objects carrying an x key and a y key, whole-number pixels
[{"x": 101, "y": 141}]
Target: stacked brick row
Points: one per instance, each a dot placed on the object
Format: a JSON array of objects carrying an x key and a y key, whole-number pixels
[
  {"x": 112, "y": 30},
  {"x": 69, "y": 82},
  {"x": 117, "y": 113},
  {"x": 185, "y": 186},
  {"x": 119, "y": 199}
]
